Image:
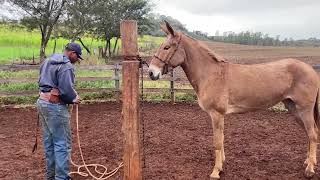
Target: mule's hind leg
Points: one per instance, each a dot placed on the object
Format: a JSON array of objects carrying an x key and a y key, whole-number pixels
[
  {"x": 218, "y": 139},
  {"x": 308, "y": 120},
  {"x": 291, "y": 106}
]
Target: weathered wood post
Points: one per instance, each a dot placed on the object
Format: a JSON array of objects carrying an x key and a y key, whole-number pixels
[
  {"x": 117, "y": 81},
  {"x": 130, "y": 108}
]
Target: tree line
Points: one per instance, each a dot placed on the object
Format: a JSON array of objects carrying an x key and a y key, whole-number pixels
[{"x": 257, "y": 38}]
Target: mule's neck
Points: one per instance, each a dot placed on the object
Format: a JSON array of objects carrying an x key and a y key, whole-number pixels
[{"x": 198, "y": 65}]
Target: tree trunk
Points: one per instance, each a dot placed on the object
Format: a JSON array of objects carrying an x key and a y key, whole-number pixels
[
  {"x": 104, "y": 55},
  {"x": 84, "y": 46},
  {"x": 115, "y": 46},
  {"x": 55, "y": 45},
  {"x": 109, "y": 48},
  {"x": 42, "y": 49}
]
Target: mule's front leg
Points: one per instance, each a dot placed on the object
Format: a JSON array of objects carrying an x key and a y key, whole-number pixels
[{"x": 218, "y": 138}]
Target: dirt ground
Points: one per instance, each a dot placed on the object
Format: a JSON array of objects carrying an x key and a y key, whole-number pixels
[
  {"x": 245, "y": 54},
  {"x": 178, "y": 143}
]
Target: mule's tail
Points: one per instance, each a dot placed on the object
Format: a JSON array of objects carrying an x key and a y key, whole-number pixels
[{"x": 316, "y": 111}]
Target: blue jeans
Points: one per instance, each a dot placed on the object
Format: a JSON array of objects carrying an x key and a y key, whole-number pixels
[{"x": 55, "y": 120}]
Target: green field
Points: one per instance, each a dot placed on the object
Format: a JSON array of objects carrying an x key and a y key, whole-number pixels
[{"x": 17, "y": 43}]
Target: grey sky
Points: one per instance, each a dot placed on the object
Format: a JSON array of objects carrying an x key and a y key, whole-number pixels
[{"x": 288, "y": 18}]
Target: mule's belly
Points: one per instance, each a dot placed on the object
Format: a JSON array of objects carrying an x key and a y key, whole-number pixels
[{"x": 257, "y": 87}]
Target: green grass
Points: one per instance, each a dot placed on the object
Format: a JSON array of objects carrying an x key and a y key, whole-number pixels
[
  {"x": 19, "y": 74},
  {"x": 156, "y": 84},
  {"x": 35, "y": 74},
  {"x": 15, "y": 87},
  {"x": 18, "y": 100},
  {"x": 92, "y": 97},
  {"x": 86, "y": 73},
  {"x": 17, "y": 43}
]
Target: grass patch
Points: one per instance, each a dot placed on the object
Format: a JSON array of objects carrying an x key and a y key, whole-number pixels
[
  {"x": 18, "y": 100},
  {"x": 35, "y": 74},
  {"x": 186, "y": 97},
  {"x": 158, "y": 97},
  {"x": 17, "y": 42},
  {"x": 14, "y": 87},
  {"x": 156, "y": 84},
  {"x": 86, "y": 73},
  {"x": 23, "y": 100},
  {"x": 103, "y": 96},
  {"x": 95, "y": 84},
  {"x": 19, "y": 74}
]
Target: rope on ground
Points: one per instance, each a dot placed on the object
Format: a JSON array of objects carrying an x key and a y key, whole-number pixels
[{"x": 102, "y": 175}]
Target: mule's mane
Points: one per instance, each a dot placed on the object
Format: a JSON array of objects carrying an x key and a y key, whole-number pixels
[{"x": 211, "y": 53}]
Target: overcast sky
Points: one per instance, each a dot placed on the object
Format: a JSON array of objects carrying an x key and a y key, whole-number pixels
[{"x": 287, "y": 18}]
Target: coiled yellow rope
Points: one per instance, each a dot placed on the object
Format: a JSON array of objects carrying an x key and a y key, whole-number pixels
[{"x": 102, "y": 175}]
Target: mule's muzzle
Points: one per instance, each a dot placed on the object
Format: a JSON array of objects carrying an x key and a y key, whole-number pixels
[{"x": 153, "y": 76}]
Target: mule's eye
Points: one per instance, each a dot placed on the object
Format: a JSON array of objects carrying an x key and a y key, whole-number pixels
[{"x": 166, "y": 47}]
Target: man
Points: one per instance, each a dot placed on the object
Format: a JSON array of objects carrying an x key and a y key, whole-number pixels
[{"x": 56, "y": 85}]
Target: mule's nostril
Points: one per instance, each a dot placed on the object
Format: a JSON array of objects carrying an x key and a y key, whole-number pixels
[{"x": 150, "y": 73}]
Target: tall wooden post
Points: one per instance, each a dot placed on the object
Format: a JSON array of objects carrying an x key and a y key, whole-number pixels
[{"x": 130, "y": 108}]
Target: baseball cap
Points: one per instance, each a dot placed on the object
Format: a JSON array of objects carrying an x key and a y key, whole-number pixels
[{"x": 76, "y": 48}]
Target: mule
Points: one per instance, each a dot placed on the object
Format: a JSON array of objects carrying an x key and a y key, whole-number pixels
[{"x": 223, "y": 87}]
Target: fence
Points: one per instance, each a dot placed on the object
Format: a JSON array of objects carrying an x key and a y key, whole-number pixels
[
  {"x": 116, "y": 78},
  {"x": 117, "y": 90}
]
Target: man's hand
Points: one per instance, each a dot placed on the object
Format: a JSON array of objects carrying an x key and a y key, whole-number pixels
[{"x": 77, "y": 100}]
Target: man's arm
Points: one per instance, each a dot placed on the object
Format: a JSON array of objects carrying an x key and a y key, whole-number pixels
[{"x": 66, "y": 86}]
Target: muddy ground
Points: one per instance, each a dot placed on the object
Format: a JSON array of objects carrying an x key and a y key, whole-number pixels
[{"x": 178, "y": 143}]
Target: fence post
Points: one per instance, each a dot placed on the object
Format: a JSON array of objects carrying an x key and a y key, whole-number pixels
[
  {"x": 172, "y": 91},
  {"x": 130, "y": 108},
  {"x": 117, "y": 81}
]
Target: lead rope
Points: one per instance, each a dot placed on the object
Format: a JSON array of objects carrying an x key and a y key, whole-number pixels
[
  {"x": 141, "y": 115},
  {"x": 142, "y": 62},
  {"x": 103, "y": 175}
]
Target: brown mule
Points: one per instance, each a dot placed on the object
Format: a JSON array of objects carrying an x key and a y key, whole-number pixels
[{"x": 224, "y": 88}]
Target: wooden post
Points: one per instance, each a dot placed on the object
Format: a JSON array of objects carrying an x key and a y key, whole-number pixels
[
  {"x": 130, "y": 108},
  {"x": 172, "y": 91},
  {"x": 117, "y": 81}
]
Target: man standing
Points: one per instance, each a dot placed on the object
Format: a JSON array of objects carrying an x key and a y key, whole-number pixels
[{"x": 56, "y": 85}]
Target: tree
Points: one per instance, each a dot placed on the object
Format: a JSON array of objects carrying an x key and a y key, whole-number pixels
[
  {"x": 110, "y": 13},
  {"x": 78, "y": 20},
  {"x": 42, "y": 14},
  {"x": 153, "y": 22}
]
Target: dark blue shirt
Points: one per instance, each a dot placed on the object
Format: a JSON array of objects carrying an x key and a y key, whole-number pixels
[{"x": 58, "y": 72}]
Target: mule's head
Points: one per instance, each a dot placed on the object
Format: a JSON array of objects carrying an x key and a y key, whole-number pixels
[{"x": 170, "y": 53}]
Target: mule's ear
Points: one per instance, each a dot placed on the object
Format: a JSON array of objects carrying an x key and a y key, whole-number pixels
[
  {"x": 169, "y": 28},
  {"x": 164, "y": 28}
]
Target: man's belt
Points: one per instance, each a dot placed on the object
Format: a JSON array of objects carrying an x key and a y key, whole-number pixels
[{"x": 53, "y": 96}]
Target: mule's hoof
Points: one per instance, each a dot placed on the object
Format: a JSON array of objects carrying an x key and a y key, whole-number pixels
[
  {"x": 215, "y": 175},
  {"x": 309, "y": 173}
]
